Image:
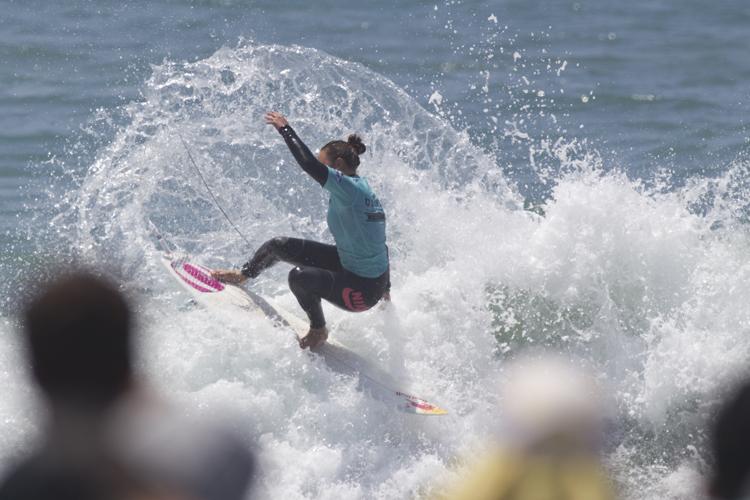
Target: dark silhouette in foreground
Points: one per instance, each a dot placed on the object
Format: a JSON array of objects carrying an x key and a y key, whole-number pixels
[
  {"x": 106, "y": 437},
  {"x": 731, "y": 447}
]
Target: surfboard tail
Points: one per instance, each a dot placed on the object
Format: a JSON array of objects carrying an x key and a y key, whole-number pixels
[{"x": 413, "y": 404}]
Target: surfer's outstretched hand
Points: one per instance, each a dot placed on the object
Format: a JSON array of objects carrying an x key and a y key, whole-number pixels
[
  {"x": 276, "y": 119},
  {"x": 229, "y": 276}
]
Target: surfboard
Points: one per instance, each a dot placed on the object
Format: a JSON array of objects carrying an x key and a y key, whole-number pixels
[{"x": 211, "y": 293}]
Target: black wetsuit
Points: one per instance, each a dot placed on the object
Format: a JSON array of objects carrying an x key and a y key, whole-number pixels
[{"x": 318, "y": 272}]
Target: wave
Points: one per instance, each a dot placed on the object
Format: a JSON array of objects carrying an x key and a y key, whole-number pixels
[{"x": 641, "y": 283}]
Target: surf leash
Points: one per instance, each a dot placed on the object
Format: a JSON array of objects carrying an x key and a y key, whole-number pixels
[{"x": 208, "y": 188}]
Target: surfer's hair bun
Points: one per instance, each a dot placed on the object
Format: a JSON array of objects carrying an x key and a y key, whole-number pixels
[{"x": 356, "y": 143}]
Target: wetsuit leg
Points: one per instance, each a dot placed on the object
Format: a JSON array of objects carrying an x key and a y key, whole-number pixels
[
  {"x": 355, "y": 293},
  {"x": 341, "y": 288},
  {"x": 294, "y": 251},
  {"x": 309, "y": 284},
  {"x": 318, "y": 274}
]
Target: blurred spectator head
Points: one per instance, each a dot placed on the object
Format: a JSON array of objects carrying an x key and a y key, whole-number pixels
[
  {"x": 547, "y": 401},
  {"x": 731, "y": 447},
  {"x": 552, "y": 422},
  {"x": 78, "y": 334},
  {"x": 109, "y": 439}
]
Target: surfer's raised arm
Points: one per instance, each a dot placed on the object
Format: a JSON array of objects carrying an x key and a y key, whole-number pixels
[{"x": 306, "y": 159}]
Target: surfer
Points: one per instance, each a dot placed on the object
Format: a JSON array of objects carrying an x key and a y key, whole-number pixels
[{"x": 352, "y": 274}]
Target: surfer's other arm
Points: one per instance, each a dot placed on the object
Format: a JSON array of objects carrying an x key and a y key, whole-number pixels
[{"x": 301, "y": 153}]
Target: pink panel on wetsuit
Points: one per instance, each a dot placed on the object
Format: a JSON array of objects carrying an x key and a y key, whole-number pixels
[{"x": 353, "y": 300}]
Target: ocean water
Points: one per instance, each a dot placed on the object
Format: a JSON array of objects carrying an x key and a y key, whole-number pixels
[{"x": 565, "y": 175}]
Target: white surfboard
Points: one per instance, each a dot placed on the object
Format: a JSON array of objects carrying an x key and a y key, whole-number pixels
[{"x": 211, "y": 293}]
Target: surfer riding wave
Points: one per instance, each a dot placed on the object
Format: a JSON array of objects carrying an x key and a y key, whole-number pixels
[{"x": 352, "y": 274}]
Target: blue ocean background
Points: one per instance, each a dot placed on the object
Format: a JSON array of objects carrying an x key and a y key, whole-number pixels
[
  {"x": 667, "y": 81},
  {"x": 575, "y": 171}
]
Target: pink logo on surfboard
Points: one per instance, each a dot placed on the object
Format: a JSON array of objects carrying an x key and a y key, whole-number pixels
[{"x": 198, "y": 277}]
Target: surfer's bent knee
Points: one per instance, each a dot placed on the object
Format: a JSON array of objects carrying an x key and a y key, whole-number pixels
[
  {"x": 294, "y": 276},
  {"x": 277, "y": 242}
]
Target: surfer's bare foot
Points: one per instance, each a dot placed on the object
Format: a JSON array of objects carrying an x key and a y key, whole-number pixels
[
  {"x": 229, "y": 276},
  {"x": 314, "y": 338}
]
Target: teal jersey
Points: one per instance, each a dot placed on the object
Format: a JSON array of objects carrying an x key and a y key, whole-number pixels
[{"x": 357, "y": 221}]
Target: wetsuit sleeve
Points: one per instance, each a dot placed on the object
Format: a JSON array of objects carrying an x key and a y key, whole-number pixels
[{"x": 304, "y": 156}]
